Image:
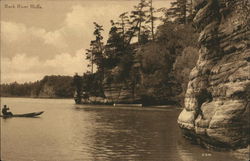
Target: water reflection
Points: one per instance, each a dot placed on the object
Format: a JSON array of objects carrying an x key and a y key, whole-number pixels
[
  {"x": 189, "y": 151},
  {"x": 67, "y": 133},
  {"x": 133, "y": 135}
]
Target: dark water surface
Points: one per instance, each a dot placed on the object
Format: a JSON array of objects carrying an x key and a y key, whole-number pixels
[{"x": 69, "y": 132}]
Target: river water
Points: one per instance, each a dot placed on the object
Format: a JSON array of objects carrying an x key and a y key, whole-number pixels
[{"x": 69, "y": 132}]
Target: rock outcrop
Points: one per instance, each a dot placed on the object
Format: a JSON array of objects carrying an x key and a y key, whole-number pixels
[
  {"x": 120, "y": 93},
  {"x": 216, "y": 111},
  {"x": 117, "y": 89}
]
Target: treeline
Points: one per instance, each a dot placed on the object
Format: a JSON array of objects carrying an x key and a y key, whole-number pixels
[
  {"x": 49, "y": 87},
  {"x": 153, "y": 62}
]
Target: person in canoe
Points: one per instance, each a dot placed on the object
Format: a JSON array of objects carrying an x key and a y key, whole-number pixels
[{"x": 5, "y": 111}]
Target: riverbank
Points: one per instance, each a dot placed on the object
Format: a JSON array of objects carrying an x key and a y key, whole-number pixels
[
  {"x": 141, "y": 103},
  {"x": 147, "y": 108},
  {"x": 34, "y": 97}
]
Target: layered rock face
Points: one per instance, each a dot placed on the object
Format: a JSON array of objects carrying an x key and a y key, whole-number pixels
[
  {"x": 217, "y": 100},
  {"x": 120, "y": 93}
]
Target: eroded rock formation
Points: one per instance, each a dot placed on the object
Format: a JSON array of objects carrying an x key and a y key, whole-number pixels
[
  {"x": 120, "y": 93},
  {"x": 217, "y": 99}
]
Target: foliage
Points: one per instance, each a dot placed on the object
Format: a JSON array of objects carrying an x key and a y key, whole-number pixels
[
  {"x": 61, "y": 85},
  {"x": 155, "y": 69},
  {"x": 92, "y": 85},
  {"x": 146, "y": 65},
  {"x": 175, "y": 37},
  {"x": 183, "y": 66},
  {"x": 77, "y": 83},
  {"x": 158, "y": 81},
  {"x": 114, "y": 48},
  {"x": 185, "y": 63},
  {"x": 181, "y": 11},
  {"x": 95, "y": 53}
]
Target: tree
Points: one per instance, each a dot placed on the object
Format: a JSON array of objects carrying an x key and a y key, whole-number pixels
[
  {"x": 181, "y": 11},
  {"x": 137, "y": 17},
  {"x": 182, "y": 67},
  {"x": 123, "y": 24},
  {"x": 77, "y": 83},
  {"x": 155, "y": 68},
  {"x": 61, "y": 86},
  {"x": 114, "y": 47},
  {"x": 91, "y": 84},
  {"x": 96, "y": 52},
  {"x": 151, "y": 18},
  {"x": 157, "y": 81}
]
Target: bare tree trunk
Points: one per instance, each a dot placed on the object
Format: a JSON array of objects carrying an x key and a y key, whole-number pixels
[
  {"x": 92, "y": 64},
  {"x": 152, "y": 19}
]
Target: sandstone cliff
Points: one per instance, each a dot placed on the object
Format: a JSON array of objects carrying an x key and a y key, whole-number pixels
[
  {"x": 217, "y": 99},
  {"x": 119, "y": 93}
]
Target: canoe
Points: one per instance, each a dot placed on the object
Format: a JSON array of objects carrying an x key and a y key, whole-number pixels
[
  {"x": 127, "y": 105},
  {"x": 33, "y": 114}
]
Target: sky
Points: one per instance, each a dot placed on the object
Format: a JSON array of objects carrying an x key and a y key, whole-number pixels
[{"x": 51, "y": 37}]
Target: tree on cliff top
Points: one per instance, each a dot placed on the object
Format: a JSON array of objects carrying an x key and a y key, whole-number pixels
[
  {"x": 181, "y": 11},
  {"x": 96, "y": 52},
  {"x": 115, "y": 46}
]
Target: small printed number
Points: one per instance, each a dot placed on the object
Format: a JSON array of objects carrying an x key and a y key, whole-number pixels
[{"x": 206, "y": 154}]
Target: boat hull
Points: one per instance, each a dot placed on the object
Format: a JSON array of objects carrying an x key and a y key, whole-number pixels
[
  {"x": 127, "y": 105},
  {"x": 33, "y": 114}
]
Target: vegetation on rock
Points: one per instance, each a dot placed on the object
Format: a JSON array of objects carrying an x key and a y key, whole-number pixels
[{"x": 138, "y": 63}]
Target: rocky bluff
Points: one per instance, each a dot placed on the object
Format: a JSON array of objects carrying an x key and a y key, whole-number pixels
[{"x": 217, "y": 103}]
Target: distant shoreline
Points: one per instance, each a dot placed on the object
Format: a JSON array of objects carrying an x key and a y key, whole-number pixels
[{"x": 36, "y": 97}]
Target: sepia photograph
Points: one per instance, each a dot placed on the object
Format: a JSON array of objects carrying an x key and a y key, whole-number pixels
[{"x": 125, "y": 80}]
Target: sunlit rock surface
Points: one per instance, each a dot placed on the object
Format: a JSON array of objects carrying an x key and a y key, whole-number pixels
[
  {"x": 217, "y": 102},
  {"x": 120, "y": 93}
]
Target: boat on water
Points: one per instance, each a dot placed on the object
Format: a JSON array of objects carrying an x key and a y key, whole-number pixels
[
  {"x": 33, "y": 114},
  {"x": 127, "y": 105}
]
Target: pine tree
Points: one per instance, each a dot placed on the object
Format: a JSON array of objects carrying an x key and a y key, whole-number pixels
[
  {"x": 123, "y": 24},
  {"x": 114, "y": 47},
  {"x": 137, "y": 17},
  {"x": 181, "y": 11},
  {"x": 96, "y": 52},
  {"x": 77, "y": 83},
  {"x": 151, "y": 18}
]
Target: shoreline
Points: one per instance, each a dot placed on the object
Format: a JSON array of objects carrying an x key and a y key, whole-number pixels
[
  {"x": 110, "y": 107},
  {"x": 94, "y": 105},
  {"x": 36, "y": 97}
]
